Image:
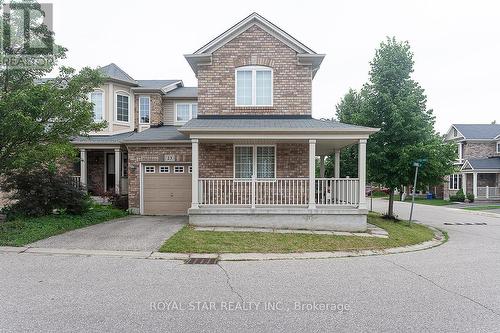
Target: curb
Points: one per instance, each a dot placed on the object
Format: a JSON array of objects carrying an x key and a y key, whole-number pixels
[
  {"x": 439, "y": 239},
  {"x": 475, "y": 212}
]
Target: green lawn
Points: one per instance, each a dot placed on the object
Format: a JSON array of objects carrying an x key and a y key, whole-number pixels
[
  {"x": 424, "y": 201},
  {"x": 188, "y": 240},
  {"x": 487, "y": 207},
  {"x": 26, "y": 230}
]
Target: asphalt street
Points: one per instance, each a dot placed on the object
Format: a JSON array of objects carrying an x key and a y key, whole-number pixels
[{"x": 450, "y": 288}]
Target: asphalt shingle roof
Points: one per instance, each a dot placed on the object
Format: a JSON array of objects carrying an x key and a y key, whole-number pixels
[
  {"x": 156, "y": 84},
  {"x": 478, "y": 131},
  {"x": 112, "y": 71},
  {"x": 157, "y": 134},
  {"x": 184, "y": 92},
  {"x": 485, "y": 163},
  {"x": 102, "y": 139},
  {"x": 268, "y": 123}
]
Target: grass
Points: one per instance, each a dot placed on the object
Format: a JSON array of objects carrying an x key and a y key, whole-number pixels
[
  {"x": 188, "y": 240},
  {"x": 425, "y": 201},
  {"x": 486, "y": 207},
  {"x": 22, "y": 231}
]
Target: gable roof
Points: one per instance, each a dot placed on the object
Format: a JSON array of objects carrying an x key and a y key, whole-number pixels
[
  {"x": 184, "y": 92},
  {"x": 113, "y": 72},
  {"x": 478, "y": 131},
  {"x": 305, "y": 55},
  {"x": 482, "y": 164}
]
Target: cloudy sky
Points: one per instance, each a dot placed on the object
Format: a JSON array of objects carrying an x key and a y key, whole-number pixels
[{"x": 456, "y": 43}]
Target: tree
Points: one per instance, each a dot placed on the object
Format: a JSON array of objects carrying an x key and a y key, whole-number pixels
[
  {"x": 39, "y": 117},
  {"x": 395, "y": 103}
]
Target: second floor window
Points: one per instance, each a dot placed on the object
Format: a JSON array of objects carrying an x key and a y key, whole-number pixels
[
  {"x": 254, "y": 86},
  {"x": 97, "y": 98},
  {"x": 144, "y": 109},
  {"x": 185, "y": 112},
  {"x": 122, "y": 107}
]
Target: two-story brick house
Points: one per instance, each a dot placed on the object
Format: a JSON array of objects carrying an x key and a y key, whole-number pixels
[
  {"x": 478, "y": 147},
  {"x": 239, "y": 150}
]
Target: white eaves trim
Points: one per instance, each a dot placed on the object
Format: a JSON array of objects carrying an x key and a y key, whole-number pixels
[{"x": 466, "y": 166}]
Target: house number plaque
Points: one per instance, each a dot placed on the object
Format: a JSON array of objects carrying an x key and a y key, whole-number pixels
[{"x": 169, "y": 158}]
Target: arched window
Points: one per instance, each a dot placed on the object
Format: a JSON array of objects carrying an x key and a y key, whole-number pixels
[{"x": 254, "y": 86}]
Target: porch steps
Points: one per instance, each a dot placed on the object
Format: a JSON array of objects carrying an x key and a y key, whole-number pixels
[{"x": 372, "y": 231}]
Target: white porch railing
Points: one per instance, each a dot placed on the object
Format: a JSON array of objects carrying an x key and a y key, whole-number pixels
[
  {"x": 337, "y": 191},
  {"x": 276, "y": 192},
  {"x": 76, "y": 181},
  {"x": 488, "y": 192}
]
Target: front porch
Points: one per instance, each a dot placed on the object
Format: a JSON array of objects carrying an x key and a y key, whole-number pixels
[
  {"x": 294, "y": 199},
  {"x": 482, "y": 178}
]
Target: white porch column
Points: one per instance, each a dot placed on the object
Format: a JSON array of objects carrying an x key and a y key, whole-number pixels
[
  {"x": 474, "y": 184},
  {"x": 337, "y": 163},
  {"x": 464, "y": 183},
  {"x": 195, "y": 173},
  {"x": 118, "y": 169},
  {"x": 83, "y": 168},
  {"x": 362, "y": 172},
  {"x": 322, "y": 166},
  {"x": 312, "y": 173}
]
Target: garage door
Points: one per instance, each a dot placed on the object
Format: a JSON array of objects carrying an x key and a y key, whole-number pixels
[{"x": 166, "y": 189}]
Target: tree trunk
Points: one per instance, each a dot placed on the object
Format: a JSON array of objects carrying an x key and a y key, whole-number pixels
[{"x": 390, "y": 210}]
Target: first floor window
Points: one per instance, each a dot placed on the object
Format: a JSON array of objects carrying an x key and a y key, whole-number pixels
[
  {"x": 178, "y": 169},
  {"x": 498, "y": 147},
  {"x": 97, "y": 99},
  {"x": 258, "y": 161},
  {"x": 185, "y": 112},
  {"x": 164, "y": 169},
  {"x": 144, "y": 109},
  {"x": 149, "y": 169},
  {"x": 122, "y": 107},
  {"x": 455, "y": 182}
]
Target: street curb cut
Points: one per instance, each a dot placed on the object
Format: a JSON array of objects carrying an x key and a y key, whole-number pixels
[{"x": 439, "y": 239}]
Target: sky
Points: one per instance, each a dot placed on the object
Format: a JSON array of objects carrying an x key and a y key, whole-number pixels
[{"x": 456, "y": 44}]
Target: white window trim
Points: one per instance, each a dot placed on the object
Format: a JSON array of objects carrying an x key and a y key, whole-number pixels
[
  {"x": 163, "y": 167},
  {"x": 254, "y": 83},
  {"x": 149, "y": 166},
  {"x": 190, "y": 169},
  {"x": 455, "y": 182},
  {"x": 498, "y": 147},
  {"x": 180, "y": 167},
  {"x": 254, "y": 160},
  {"x": 149, "y": 111},
  {"x": 121, "y": 93},
  {"x": 190, "y": 104},
  {"x": 459, "y": 151},
  {"x": 103, "y": 103}
]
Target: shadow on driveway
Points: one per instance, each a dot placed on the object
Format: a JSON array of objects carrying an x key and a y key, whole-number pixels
[{"x": 133, "y": 233}]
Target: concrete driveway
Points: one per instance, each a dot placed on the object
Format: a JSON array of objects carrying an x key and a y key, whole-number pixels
[
  {"x": 451, "y": 288},
  {"x": 138, "y": 233}
]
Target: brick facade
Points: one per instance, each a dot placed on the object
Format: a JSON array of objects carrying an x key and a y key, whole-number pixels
[
  {"x": 138, "y": 154},
  {"x": 156, "y": 109},
  {"x": 292, "y": 83},
  {"x": 216, "y": 160},
  {"x": 472, "y": 150}
]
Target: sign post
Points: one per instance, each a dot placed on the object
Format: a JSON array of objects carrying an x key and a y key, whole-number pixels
[{"x": 416, "y": 164}]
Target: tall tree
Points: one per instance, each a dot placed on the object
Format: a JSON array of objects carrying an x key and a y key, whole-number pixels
[
  {"x": 395, "y": 103},
  {"x": 39, "y": 117}
]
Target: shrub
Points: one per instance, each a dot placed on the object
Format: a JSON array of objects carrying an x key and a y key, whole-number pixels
[
  {"x": 119, "y": 201},
  {"x": 39, "y": 192},
  {"x": 470, "y": 197},
  {"x": 458, "y": 197}
]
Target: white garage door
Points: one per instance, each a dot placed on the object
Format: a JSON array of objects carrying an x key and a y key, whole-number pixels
[{"x": 166, "y": 189}]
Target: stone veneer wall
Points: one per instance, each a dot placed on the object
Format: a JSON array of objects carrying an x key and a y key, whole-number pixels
[
  {"x": 472, "y": 150},
  {"x": 292, "y": 83},
  {"x": 138, "y": 154}
]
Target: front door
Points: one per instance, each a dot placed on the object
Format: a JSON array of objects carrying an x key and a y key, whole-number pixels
[{"x": 110, "y": 171}]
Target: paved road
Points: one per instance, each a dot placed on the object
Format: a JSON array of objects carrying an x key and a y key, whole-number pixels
[
  {"x": 452, "y": 288},
  {"x": 140, "y": 233}
]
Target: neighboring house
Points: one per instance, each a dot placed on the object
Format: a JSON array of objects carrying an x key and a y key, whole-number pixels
[
  {"x": 478, "y": 147},
  {"x": 239, "y": 150}
]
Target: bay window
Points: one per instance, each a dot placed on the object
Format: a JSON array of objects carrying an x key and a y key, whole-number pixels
[
  {"x": 254, "y": 86},
  {"x": 97, "y": 99},
  {"x": 254, "y": 161},
  {"x": 122, "y": 107},
  {"x": 144, "y": 109}
]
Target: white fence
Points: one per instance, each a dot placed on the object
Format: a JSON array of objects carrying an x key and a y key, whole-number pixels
[
  {"x": 277, "y": 192},
  {"x": 488, "y": 192}
]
